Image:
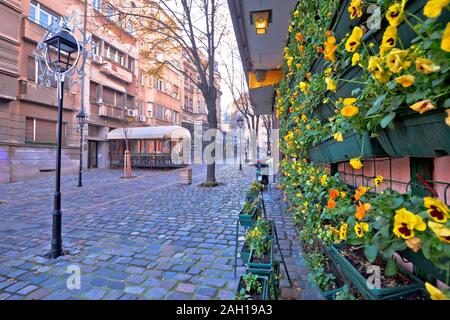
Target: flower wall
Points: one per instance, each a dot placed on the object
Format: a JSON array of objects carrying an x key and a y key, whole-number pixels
[{"x": 364, "y": 81}]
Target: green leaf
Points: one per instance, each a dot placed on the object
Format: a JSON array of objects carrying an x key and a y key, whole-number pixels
[
  {"x": 377, "y": 105},
  {"x": 387, "y": 119},
  {"x": 371, "y": 252},
  {"x": 391, "y": 268},
  {"x": 391, "y": 85}
]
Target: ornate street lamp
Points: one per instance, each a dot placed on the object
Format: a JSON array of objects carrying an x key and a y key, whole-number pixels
[
  {"x": 81, "y": 120},
  {"x": 57, "y": 56},
  {"x": 240, "y": 123}
]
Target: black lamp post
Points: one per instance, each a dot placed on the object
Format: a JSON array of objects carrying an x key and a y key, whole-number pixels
[
  {"x": 60, "y": 50},
  {"x": 81, "y": 120},
  {"x": 240, "y": 123}
]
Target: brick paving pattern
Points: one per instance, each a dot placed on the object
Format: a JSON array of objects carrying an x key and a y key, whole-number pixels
[{"x": 144, "y": 238}]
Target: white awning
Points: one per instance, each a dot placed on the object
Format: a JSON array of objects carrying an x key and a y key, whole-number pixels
[{"x": 156, "y": 132}]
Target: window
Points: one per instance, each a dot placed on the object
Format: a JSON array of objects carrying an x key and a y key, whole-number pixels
[
  {"x": 131, "y": 64},
  {"x": 42, "y": 131},
  {"x": 150, "y": 81},
  {"x": 159, "y": 112},
  {"x": 175, "y": 117},
  {"x": 149, "y": 109},
  {"x": 41, "y": 15},
  {"x": 97, "y": 4},
  {"x": 96, "y": 44},
  {"x": 176, "y": 89},
  {"x": 141, "y": 78},
  {"x": 160, "y": 85},
  {"x": 93, "y": 92}
]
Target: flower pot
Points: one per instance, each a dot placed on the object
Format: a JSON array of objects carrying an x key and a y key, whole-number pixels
[
  {"x": 361, "y": 283},
  {"x": 247, "y": 219},
  {"x": 261, "y": 265},
  {"x": 417, "y": 135},
  {"x": 249, "y": 197},
  {"x": 349, "y": 148},
  {"x": 423, "y": 267},
  {"x": 263, "y": 295},
  {"x": 273, "y": 275}
]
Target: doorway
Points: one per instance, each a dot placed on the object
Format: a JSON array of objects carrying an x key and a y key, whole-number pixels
[{"x": 92, "y": 159}]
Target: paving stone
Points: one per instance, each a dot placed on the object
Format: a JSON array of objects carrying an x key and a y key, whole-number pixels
[
  {"x": 27, "y": 289},
  {"x": 136, "y": 290},
  {"x": 38, "y": 294},
  {"x": 186, "y": 287},
  {"x": 156, "y": 293},
  {"x": 94, "y": 294}
]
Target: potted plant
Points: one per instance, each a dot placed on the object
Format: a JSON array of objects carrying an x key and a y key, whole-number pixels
[
  {"x": 249, "y": 212},
  {"x": 261, "y": 246},
  {"x": 254, "y": 191},
  {"x": 252, "y": 287}
]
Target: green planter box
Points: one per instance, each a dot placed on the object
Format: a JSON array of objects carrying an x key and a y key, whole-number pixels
[
  {"x": 245, "y": 255},
  {"x": 352, "y": 274},
  {"x": 423, "y": 267},
  {"x": 247, "y": 220},
  {"x": 261, "y": 266},
  {"x": 332, "y": 151},
  {"x": 417, "y": 135},
  {"x": 342, "y": 24},
  {"x": 265, "y": 285},
  {"x": 273, "y": 275},
  {"x": 250, "y": 197}
]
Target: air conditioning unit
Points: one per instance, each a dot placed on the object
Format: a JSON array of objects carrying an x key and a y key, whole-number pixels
[
  {"x": 131, "y": 113},
  {"x": 142, "y": 118},
  {"x": 97, "y": 59}
]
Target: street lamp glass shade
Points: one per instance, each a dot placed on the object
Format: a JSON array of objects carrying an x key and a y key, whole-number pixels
[
  {"x": 60, "y": 47},
  {"x": 81, "y": 118}
]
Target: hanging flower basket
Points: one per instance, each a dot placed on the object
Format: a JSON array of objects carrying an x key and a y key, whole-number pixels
[
  {"x": 417, "y": 135},
  {"x": 410, "y": 283}
]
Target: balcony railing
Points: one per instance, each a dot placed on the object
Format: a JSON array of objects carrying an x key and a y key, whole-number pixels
[
  {"x": 31, "y": 91},
  {"x": 110, "y": 68}
]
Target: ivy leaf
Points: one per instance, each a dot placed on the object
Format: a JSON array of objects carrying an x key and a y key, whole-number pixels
[
  {"x": 371, "y": 252},
  {"x": 387, "y": 119},
  {"x": 391, "y": 268}
]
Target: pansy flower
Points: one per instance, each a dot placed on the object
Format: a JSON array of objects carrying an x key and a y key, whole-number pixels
[
  {"x": 436, "y": 209},
  {"x": 405, "y": 222}
]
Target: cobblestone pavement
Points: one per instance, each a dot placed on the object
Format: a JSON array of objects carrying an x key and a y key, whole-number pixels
[{"x": 142, "y": 238}]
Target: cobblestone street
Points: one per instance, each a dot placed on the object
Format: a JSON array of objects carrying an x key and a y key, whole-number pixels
[{"x": 144, "y": 238}]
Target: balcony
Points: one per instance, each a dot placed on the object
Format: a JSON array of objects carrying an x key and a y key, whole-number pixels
[
  {"x": 32, "y": 31},
  {"x": 31, "y": 91},
  {"x": 116, "y": 71},
  {"x": 107, "y": 111}
]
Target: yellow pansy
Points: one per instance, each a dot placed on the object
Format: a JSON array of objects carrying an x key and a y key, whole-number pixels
[
  {"x": 289, "y": 61},
  {"x": 405, "y": 222},
  {"x": 433, "y": 8},
  {"x": 389, "y": 39},
  {"x": 356, "y": 163},
  {"x": 343, "y": 194},
  {"x": 354, "y": 40},
  {"x": 355, "y": 9},
  {"x": 436, "y": 209},
  {"x": 423, "y": 106},
  {"x": 338, "y": 137},
  {"x": 296, "y": 13},
  {"x": 331, "y": 85},
  {"x": 303, "y": 86},
  {"x": 304, "y": 117},
  {"x": 360, "y": 228},
  {"x": 349, "y": 110},
  {"x": 355, "y": 59},
  {"x": 435, "y": 293},
  {"x": 378, "y": 180},
  {"x": 395, "y": 13},
  {"x": 290, "y": 28},
  {"x": 328, "y": 72},
  {"x": 377, "y": 70},
  {"x": 445, "y": 42},
  {"x": 323, "y": 179},
  {"x": 397, "y": 61},
  {"x": 441, "y": 231},
  {"x": 426, "y": 66},
  {"x": 406, "y": 81},
  {"x": 343, "y": 231}
]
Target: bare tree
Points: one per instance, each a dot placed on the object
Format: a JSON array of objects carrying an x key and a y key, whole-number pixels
[
  {"x": 126, "y": 156},
  {"x": 176, "y": 30},
  {"x": 267, "y": 123}
]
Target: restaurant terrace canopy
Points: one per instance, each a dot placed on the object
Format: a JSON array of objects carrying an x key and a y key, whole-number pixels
[{"x": 150, "y": 147}]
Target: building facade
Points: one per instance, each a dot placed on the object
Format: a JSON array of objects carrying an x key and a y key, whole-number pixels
[{"x": 118, "y": 92}]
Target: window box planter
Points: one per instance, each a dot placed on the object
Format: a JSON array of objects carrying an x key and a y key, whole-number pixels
[
  {"x": 265, "y": 263},
  {"x": 247, "y": 219},
  {"x": 254, "y": 295},
  {"x": 423, "y": 266},
  {"x": 245, "y": 253},
  {"x": 250, "y": 196},
  {"x": 417, "y": 135},
  {"x": 332, "y": 151},
  {"x": 331, "y": 294},
  {"x": 273, "y": 275},
  {"x": 350, "y": 271}
]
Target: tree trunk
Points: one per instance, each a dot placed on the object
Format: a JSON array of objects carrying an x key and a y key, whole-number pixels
[{"x": 212, "y": 119}]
